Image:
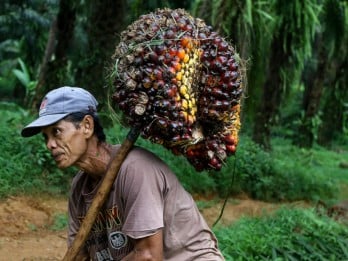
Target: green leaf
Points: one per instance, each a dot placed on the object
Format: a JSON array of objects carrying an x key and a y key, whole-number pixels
[
  {"x": 21, "y": 76},
  {"x": 265, "y": 14}
]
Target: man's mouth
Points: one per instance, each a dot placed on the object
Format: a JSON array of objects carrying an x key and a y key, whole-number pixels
[{"x": 57, "y": 156}]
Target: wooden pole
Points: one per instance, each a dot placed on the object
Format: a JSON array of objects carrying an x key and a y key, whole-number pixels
[{"x": 101, "y": 195}]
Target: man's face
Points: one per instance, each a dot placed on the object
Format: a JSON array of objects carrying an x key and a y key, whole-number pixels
[{"x": 66, "y": 143}]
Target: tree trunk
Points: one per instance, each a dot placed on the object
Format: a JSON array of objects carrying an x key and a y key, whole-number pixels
[
  {"x": 334, "y": 111},
  {"x": 271, "y": 97},
  {"x": 53, "y": 72},
  {"x": 49, "y": 51},
  {"x": 105, "y": 22},
  {"x": 314, "y": 84}
]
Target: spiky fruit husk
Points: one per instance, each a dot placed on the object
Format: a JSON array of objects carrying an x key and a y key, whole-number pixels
[{"x": 180, "y": 83}]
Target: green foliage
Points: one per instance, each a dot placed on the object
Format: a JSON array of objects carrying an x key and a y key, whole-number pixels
[
  {"x": 284, "y": 174},
  {"x": 9, "y": 50},
  {"x": 23, "y": 33},
  {"x": 25, "y": 79},
  {"x": 60, "y": 222},
  {"x": 289, "y": 234},
  {"x": 139, "y": 7},
  {"x": 36, "y": 16},
  {"x": 334, "y": 26},
  {"x": 26, "y": 164},
  {"x": 288, "y": 173}
]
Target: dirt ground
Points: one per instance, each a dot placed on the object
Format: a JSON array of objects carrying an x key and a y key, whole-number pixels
[{"x": 26, "y": 224}]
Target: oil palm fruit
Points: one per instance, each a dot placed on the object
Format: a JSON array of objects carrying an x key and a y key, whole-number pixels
[{"x": 180, "y": 82}]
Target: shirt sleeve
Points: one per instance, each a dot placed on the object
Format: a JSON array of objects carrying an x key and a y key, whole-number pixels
[{"x": 142, "y": 187}]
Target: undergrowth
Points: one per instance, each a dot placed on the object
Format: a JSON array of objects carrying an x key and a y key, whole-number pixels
[
  {"x": 288, "y": 234},
  {"x": 286, "y": 174},
  {"x": 26, "y": 164}
]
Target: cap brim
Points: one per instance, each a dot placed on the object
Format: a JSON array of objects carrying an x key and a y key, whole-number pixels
[{"x": 35, "y": 127}]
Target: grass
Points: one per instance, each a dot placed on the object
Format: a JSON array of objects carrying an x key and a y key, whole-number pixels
[
  {"x": 322, "y": 163},
  {"x": 60, "y": 222},
  {"x": 288, "y": 234}
]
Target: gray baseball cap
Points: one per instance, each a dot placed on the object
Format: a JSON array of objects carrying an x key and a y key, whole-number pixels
[{"x": 58, "y": 104}]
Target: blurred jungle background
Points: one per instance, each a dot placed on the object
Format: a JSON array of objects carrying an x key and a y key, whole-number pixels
[{"x": 291, "y": 164}]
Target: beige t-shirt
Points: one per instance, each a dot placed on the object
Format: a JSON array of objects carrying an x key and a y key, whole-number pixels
[{"x": 145, "y": 197}]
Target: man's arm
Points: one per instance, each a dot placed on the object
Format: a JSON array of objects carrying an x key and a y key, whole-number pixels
[{"x": 147, "y": 248}]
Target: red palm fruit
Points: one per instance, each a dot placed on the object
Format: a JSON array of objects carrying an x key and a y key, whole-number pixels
[
  {"x": 222, "y": 59},
  {"x": 190, "y": 153},
  {"x": 172, "y": 51},
  {"x": 188, "y": 27},
  {"x": 234, "y": 75},
  {"x": 212, "y": 144},
  {"x": 229, "y": 139},
  {"x": 222, "y": 105},
  {"x": 216, "y": 65},
  {"x": 170, "y": 34},
  {"x": 223, "y": 46},
  {"x": 231, "y": 148},
  {"x": 181, "y": 53},
  {"x": 176, "y": 138},
  {"x": 157, "y": 74},
  {"x": 175, "y": 150},
  {"x": 153, "y": 57},
  {"x": 181, "y": 22},
  {"x": 231, "y": 86},
  {"x": 232, "y": 65},
  {"x": 185, "y": 41},
  {"x": 162, "y": 123},
  {"x": 160, "y": 49},
  {"x": 173, "y": 126},
  {"x": 158, "y": 84},
  {"x": 147, "y": 83},
  {"x": 154, "y": 27},
  {"x": 123, "y": 105},
  {"x": 171, "y": 70},
  {"x": 202, "y": 36},
  {"x": 218, "y": 93},
  {"x": 148, "y": 70},
  {"x": 217, "y": 41},
  {"x": 176, "y": 65},
  {"x": 170, "y": 92},
  {"x": 160, "y": 59},
  {"x": 214, "y": 163},
  {"x": 186, "y": 136}
]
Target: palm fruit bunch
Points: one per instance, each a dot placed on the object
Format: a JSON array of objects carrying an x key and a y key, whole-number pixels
[{"x": 179, "y": 82}]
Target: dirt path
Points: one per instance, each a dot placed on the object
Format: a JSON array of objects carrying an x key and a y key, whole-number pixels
[{"x": 26, "y": 224}]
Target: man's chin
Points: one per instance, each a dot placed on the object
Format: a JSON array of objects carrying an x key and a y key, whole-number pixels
[{"x": 62, "y": 165}]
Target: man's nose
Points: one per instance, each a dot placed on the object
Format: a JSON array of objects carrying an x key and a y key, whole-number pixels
[{"x": 51, "y": 144}]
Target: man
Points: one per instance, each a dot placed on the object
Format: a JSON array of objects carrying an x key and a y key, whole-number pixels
[{"x": 148, "y": 214}]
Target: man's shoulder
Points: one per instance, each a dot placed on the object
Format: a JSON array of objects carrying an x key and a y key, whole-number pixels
[
  {"x": 143, "y": 154},
  {"x": 78, "y": 179}
]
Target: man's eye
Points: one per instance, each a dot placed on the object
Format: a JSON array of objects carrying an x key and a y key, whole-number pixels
[{"x": 56, "y": 132}]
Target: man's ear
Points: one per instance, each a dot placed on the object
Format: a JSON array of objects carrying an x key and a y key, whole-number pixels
[{"x": 87, "y": 125}]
